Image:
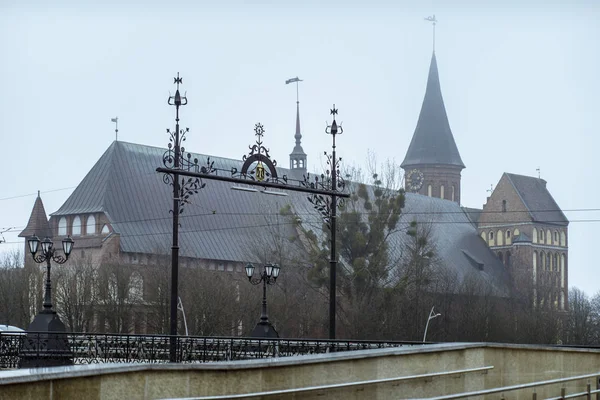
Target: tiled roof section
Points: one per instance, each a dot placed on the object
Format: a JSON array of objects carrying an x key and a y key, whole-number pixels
[
  {"x": 38, "y": 222},
  {"x": 457, "y": 243},
  {"x": 89, "y": 196},
  {"x": 521, "y": 238},
  {"x": 473, "y": 214},
  {"x": 538, "y": 200},
  {"x": 230, "y": 225},
  {"x": 432, "y": 141}
]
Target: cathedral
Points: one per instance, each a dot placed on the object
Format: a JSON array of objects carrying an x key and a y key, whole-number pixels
[{"x": 119, "y": 213}]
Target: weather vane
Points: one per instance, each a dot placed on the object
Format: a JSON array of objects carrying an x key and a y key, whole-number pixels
[
  {"x": 116, "y": 121},
  {"x": 295, "y": 80},
  {"x": 433, "y": 21},
  {"x": 539, "y": 172}
]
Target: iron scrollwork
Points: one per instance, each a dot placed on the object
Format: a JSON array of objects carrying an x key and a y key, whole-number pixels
[
  {"x": 254, "y": 163},
  {"x": 331, "y": 180},
  {"x": 176, "y": 159}
]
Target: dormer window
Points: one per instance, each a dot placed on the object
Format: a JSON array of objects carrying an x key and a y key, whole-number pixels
[{"x": 105, "y": 230}]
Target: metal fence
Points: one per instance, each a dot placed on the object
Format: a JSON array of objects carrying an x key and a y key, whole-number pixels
[{"x": 90, "y": 348}]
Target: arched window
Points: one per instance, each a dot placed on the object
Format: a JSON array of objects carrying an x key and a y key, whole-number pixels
[
  {"x": 90, "y": 228},
  {"x": 508, "y": 237},
  {"x": 541, "y": 236},
  {"x": 136, "y": 287},
  {"x": 543, "y": 261},
  {"x": 548, "y": 237},
  {"x": 453, "y": 193},
  {"x": 62, "y": 226},
  {"x": 76, "y": 227},
  {"x": 503, "y": 205},
  {"x": 516, "y": 232},
  {"x": 105, "y": 230},
  {"x": 113, "y": 289},
  {"x": 491, "y": 235},
  {"x": 563, "y": 239},
  {"x": 534, "y": 235},
  {"x": 548, "y": 262},
  {"x": 429, "y": 190},
  {"x": 491, "y": 241},
  {"x": 508, "y": 259},
  {"x": 535, "y": 258},
  {"x": 555, "y": 262},
  {"x": 556, "y": 241},
  {"x": 442, "y": 192},
  {"x": 499, "y": 237}
]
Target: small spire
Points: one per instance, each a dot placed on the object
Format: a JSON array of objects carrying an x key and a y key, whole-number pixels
[
  {"x": 39, "y": 193},
  {"x": 298, "y": 135}
]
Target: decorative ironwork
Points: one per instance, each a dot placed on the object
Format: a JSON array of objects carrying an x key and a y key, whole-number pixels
[
  {"x": 331, "y": 180},
  {"x": 254, "y": 164},
  {"x": 90, "y": 348},
  {"x": 177, "y": 160}
]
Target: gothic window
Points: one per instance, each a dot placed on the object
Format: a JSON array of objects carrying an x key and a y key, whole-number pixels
[
  {"x": 563, "y": 239},
  {"x": 105, "y": 230},
  {"x": 534, "y": 236},
  {"x": 503, "y": 205},
  {"x": 548, "y": 237},
  {"x": 556, "y": 238},
  {"x": 491, "y": 235},
  {"x": 76, "y": 227},
  {"x": 508, "y": 236},
  {"x": 453, "y": 192},
  {"x": 555, "y": 262},
  {"x": 429, "y": 190},
  {"x": 62, "y": 226},
  {"x": 442, "y": 192},
  {"x": 541, "y": 236},
  {"x": 499, "y": 238},
  {"x": 535, "y": 258},
  {"x": 543, "y": 261},
  {"x": 90, "y": 228},
  {"x": 516, "y": 232},
  {"x": 548, "y": 261},
  {"x": 136, "y": 287},
  {"x": 483, "y": 235}
]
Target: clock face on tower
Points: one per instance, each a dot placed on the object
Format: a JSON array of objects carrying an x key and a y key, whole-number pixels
[{"x": 414, "y": 180}]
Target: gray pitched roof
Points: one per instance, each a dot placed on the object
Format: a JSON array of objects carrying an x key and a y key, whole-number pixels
[
  {"x": 432, "y": 141},
  {"x": 38, "y": 221},
  {"x": 225, "y": 224},
  {"x": 539, "y": 202}
]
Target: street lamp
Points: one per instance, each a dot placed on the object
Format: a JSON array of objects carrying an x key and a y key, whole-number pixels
[
  {"x": 267, "y": 277},
  {"x": 431, "y": 316},
  {"x": 43, "y": 348}
]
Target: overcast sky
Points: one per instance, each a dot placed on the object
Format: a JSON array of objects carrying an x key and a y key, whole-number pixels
[{"x": 519, "y": 79}]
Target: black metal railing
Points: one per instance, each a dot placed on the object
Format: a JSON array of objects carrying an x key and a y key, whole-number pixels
[{"x": 91, "y": 348}]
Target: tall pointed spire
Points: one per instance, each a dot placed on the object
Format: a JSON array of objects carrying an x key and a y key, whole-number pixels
[
  {"x": 38, "y": 221},
  {"x": 432, "y": 141},
  {"x": 297, "y": 156}
]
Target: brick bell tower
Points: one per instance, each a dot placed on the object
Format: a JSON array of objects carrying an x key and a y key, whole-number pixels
[{"x": 432, "y": 166}]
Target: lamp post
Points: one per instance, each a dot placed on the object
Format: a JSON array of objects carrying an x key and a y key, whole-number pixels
[
  {"x": 268, "y": 277},
  {"x": 44, "y": 347},
  {"x": 431, "y": 316}
]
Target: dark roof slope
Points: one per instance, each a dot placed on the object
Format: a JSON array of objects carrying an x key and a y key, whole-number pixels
[
  {"x": 432, "y": 141},
  {"x": 538, "y": 200},
  {"x": 230, "y": 225},
  {"x": 38, "y": 222}
]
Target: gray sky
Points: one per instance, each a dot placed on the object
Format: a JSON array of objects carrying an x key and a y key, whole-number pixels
[{"x": 519, "y": 80}]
